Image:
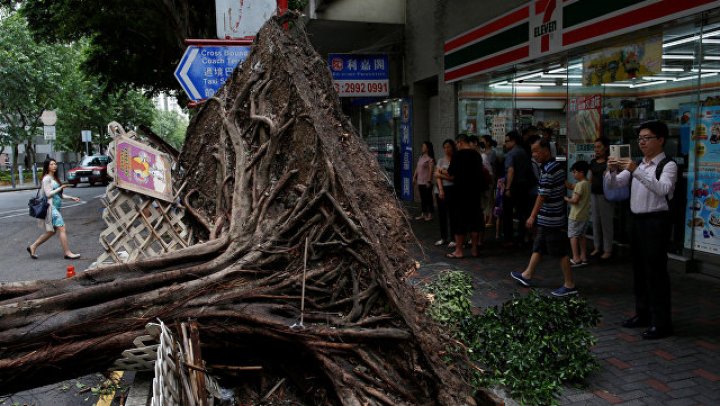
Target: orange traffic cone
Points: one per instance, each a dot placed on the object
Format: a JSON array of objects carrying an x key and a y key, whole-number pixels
[{"x": 70, "y": 271}]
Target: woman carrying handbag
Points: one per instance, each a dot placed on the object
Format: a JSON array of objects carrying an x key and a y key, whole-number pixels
[{"x": 53, "y": 220}]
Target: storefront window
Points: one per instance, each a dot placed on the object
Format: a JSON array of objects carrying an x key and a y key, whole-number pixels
[{"x": 669, "y": 73}]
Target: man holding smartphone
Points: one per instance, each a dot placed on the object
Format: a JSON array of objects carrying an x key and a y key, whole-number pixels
[{"x": 649, "y": 204}]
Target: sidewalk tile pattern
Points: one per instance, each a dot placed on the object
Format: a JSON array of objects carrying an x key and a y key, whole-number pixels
[{"x": 680, "y": 370}]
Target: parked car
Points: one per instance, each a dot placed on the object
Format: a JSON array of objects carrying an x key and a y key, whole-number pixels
[{"x": 92, "y": 170}]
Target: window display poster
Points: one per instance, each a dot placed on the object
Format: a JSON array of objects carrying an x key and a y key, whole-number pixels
[
  {"x": 579, "y": 152},
  {"x": 585, "y": 119},
  {"x": 702, "y": 227},
  {"x": 406, "y": 156},
  {"x": 623, "y": 63},
  {"x": 142, "y": 169},
  {"x": 499, "y": 126}
]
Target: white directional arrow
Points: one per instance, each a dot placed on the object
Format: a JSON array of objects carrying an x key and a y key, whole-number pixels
[{"x": 185, "y": 79}]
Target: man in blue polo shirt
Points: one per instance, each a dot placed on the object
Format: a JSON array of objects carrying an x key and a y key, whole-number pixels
[{"x": 550, "y": 215}]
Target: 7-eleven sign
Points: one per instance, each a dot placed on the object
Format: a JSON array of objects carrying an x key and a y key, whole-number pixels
[{"x": 545, "y": 27}]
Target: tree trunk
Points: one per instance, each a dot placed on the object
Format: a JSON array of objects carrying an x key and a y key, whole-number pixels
[{"x": 302, "y": 268}]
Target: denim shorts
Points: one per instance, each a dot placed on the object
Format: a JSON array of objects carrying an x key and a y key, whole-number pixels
[
  {"x": 551, "y": 241},
  {"x": 577, "y": 228}
]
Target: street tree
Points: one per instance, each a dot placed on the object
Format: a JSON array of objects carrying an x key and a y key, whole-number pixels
[
  {"x": 133, "y": 43},
  {"x": 32, "y": 74},
  {"x": 171, "y": 126}
]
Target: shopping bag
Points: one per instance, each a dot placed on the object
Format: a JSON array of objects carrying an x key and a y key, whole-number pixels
[{"x": 617, "y": 194}]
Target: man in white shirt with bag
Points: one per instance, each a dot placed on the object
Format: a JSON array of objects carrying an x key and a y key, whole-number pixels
[{"x": 649, "y": 204}]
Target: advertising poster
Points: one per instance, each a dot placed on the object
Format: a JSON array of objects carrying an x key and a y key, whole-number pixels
[
  {"x": 406, "y": 155},
  {"x": 702, "y": 228},
  {"x": 584, "y": 119},
  {"x": 142, "y": 169},
  {"x": 579, "y": 152},
  {"x": 623, "y": 63},
  {"x": 360, "y": 75}
]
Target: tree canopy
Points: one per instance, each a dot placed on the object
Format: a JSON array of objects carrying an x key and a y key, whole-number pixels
[{"x": 132, "y": 43}]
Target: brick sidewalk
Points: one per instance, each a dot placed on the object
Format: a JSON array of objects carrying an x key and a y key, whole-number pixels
[{"x": 680, "y": 370}]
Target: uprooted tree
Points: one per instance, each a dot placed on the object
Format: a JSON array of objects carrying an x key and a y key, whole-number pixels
[{"x": 290, "y": 207}]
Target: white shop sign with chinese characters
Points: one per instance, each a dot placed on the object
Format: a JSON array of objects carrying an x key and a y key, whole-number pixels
[{"x": 360, "y": 75}]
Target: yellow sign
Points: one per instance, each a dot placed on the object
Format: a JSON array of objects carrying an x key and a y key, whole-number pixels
[{"x": 623, "y": 63}]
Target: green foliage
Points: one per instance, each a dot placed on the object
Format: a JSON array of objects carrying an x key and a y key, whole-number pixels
[
  {"x": 85, "y": 104},
  {"x": 451, "y": 292},
  {"x": 132, "y": 43},
  {"x": 31, "y": 80},
  {"x": 171, "y": 126},
  {"x": 532, "y": 345}
]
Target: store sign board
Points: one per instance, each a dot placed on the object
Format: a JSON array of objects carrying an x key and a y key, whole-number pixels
[
  {"x": 545, "y": 33},
  {"x": 204, "y": 69},
  {"x": 702, "y": 228},
  {"x": 536, "y": 29},
  {"x": 236, "y": 19},
  {"x": 356, "y": 75},
  {"x": 406, "y": 156},
  {"x": 142, "y": 169},
  {"x": 631, "y": 61}
]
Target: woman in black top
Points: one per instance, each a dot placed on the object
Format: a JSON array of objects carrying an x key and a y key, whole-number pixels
[{"x": 602, "y": 209}]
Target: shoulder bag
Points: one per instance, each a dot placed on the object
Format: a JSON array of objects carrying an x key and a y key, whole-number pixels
[{"x": 38, "y": 206}]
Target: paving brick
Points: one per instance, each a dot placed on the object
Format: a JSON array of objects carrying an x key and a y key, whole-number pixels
[
  {"x": 684, "y": 393},
  {"x": 685, "y": 383},
  {"x": 618, "y": 363},
  {"x": 707, "y": 375},
  {"x": 631, "y": 338},
  {"x": 580, "y": 397},
  {"x": 636, "y": 394},
  {"x": 610, "y": 398},
  {"x": 681, "y": 402},
  {"x": 708, "y": 345},
  {"x": 664, "y": 355},
  {"x": 634, "y": 402},
  {"x": 658, "y": 385}
]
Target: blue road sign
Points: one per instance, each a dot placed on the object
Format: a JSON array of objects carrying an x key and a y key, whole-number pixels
[{"x": 204, "y": 69}]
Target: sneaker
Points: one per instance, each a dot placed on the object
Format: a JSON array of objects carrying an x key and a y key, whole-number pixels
[
  {"x": 563, "y": 291},
  {"x": 518, "y": 277},
  {"x": 451, "y": 244},
  {"x": 439, "y": 242},
  {"x": 577, "y": 264}
]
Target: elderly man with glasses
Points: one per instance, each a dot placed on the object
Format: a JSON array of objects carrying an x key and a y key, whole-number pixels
[{"x": 650, "y": 207}]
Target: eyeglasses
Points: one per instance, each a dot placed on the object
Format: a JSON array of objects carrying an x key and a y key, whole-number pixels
[{"x": 645, "y": 139}]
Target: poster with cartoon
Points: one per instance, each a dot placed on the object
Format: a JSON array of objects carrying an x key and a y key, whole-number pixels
[
  {"x": 630, "y": 61},
  {"x": 142, "y": 169},
  {"x": 702, "y": 226}
]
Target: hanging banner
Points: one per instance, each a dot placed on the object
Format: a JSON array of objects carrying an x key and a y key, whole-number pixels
[
  {"x": 584, "y": 119},
  {"x": 702, "y": 228},
  {"x": 406, "y": 156},
  {"x": 623, "y": 63},
  {"x": 142, "y": 169}
]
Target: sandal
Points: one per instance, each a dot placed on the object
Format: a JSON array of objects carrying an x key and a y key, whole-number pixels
[{"x": 453, "y": 256}]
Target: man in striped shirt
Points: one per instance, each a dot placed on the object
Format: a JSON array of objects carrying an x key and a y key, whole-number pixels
[{"x": 550, "y": 215}]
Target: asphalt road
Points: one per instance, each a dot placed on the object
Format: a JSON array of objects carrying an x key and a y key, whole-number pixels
[{"x": 83, "y": 222}]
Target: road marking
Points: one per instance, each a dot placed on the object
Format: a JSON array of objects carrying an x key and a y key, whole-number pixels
[
  {"x": 25, "y": 211},
  {"x": 106, "y": 400}
]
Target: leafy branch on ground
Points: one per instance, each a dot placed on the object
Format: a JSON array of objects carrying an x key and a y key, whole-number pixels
[{"x": 529, "y": 345}]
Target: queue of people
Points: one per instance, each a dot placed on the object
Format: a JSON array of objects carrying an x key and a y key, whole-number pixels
[{"x": 474, "y": 190}]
